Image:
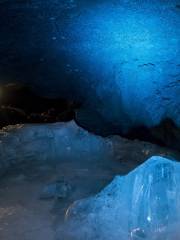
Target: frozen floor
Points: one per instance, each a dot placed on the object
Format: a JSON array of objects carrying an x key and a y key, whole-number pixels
[{"x": 24, "y": 216}]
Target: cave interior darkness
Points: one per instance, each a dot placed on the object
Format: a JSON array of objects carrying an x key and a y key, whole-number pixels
[{"x": 89, "y": 119}]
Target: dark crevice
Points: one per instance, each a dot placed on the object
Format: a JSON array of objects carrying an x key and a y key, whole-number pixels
[
  {"x": 165, "y": 134},
  {"x": 18, "y": 104}
]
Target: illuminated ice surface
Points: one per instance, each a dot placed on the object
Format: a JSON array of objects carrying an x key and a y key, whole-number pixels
[
  {"x": 145, "y": 204},
  {"x": 112, "y": 55},
  {"x": 52, "y": 143},
  {"x": 131, "y": 207}
]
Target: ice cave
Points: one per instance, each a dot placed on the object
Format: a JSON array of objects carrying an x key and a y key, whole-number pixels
[{"x": 89, "y": 120}]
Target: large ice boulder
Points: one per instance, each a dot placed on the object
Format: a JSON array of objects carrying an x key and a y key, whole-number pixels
[{"x": 145, "y": 204}]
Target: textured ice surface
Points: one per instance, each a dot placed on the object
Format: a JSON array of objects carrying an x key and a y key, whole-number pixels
[
  {"x": 50, "y": 143},
  {"x": 145, "y": 204},
  {"x": 118, "y": 55},
  {"x": 66, "y": 142}
]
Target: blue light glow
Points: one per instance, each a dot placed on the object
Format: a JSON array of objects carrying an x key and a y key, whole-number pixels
[
  {"x": 117, "y": 56},
  {"x": 129, "y": 58},
  {"x": 141, "y": 205}
]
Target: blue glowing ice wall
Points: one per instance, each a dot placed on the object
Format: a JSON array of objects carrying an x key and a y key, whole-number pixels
[
  {"x": 130, "y": 54},
  {"x": 122, "y": 57}
]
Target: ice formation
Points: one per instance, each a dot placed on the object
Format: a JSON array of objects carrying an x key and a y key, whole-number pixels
[
  {"x": 145, "y": 204},
  {"x": 114, "y": 55},
  {"x": 141, "y": 205},
  {"x": 51, "y": 143}
]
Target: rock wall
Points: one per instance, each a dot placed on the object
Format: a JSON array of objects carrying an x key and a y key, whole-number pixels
[{"x": 118, "y": 57}]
